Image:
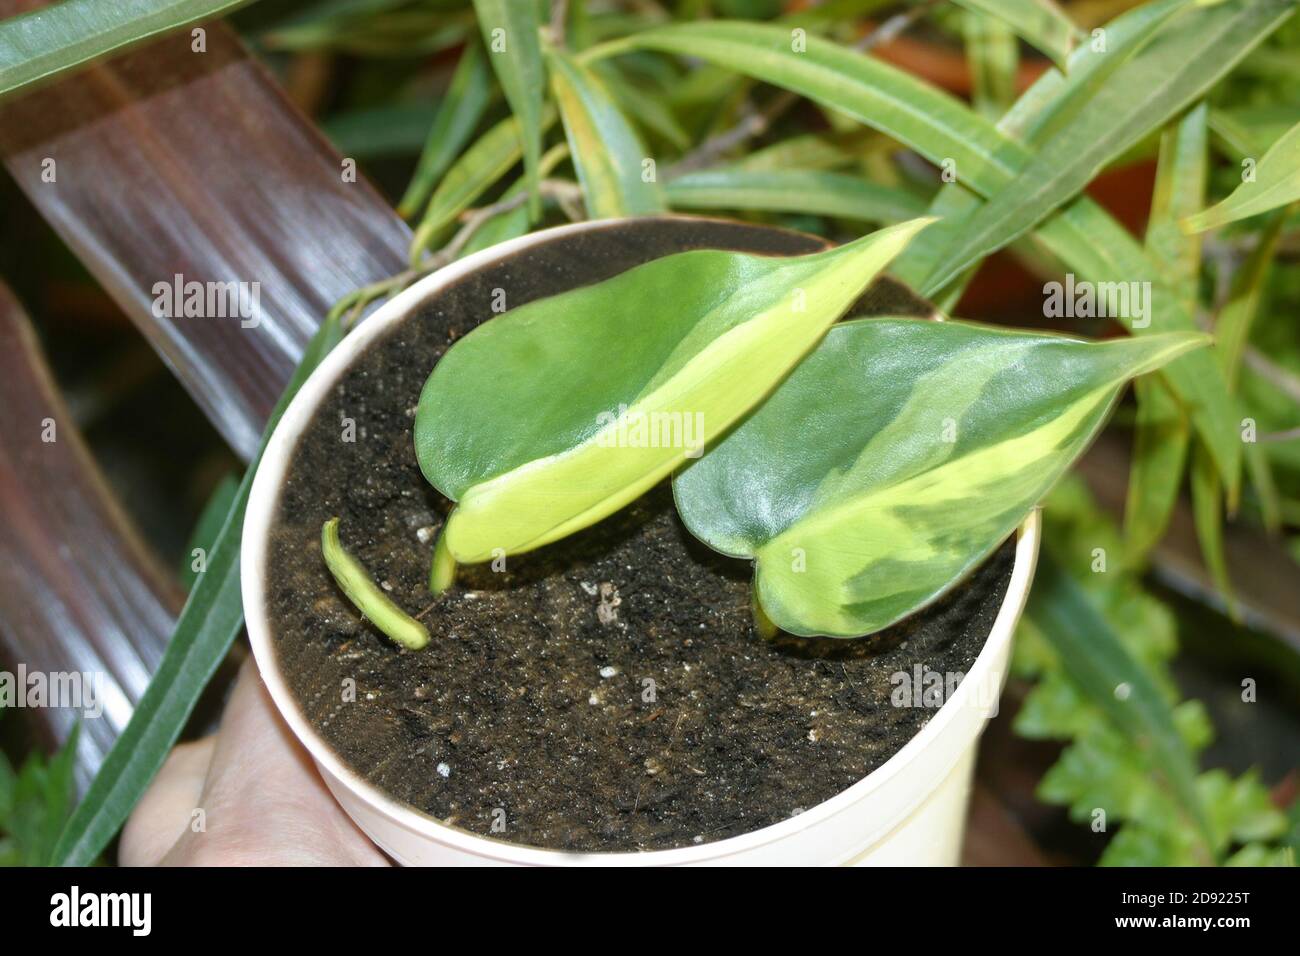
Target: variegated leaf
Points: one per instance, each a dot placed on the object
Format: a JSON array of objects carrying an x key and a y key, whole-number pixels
[
  {"x": 896, "y": 457},
  {"x": 550, "y": 417}
]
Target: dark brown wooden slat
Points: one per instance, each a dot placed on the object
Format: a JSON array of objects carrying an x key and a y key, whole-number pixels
[
  {"x": 78, "y": 590},
  {"x": 168, "y": 162}
]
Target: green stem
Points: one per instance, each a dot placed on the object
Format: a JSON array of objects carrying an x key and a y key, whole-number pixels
[
  {"x": 442, "y": 574},
  {"x": 367, "y": 596},
  {"x": 763, "y": 625}
]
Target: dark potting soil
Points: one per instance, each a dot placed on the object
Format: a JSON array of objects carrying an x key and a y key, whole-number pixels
[{"x": 606, "y": 692}]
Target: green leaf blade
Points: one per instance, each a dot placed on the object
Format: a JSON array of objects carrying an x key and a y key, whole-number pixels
[
  {"x": 529, "y": 462},
  {"x": 1041, "y": 22},
  {"x": 936, "y": 125},
  {"x": 1276, "y": 183},
  {"x": 922, "y": 445},
  {"x": 987, "y": 158},
  {"x": 606, "y": 150},
  {"x": 458, "y": 114},
  {"x": 1094, "y": 655},
  {"x": 43, "y": 43},
  {"x": 489, "y": 158},
  {"x": 510, "y": 33},
  {"x": 793, "y": 190},
  {"x": 1163, "y": 432},
  {"x": 1176, "y": 68}
]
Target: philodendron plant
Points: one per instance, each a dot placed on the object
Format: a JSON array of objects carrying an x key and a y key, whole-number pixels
[{"x": 865, "y": 467}]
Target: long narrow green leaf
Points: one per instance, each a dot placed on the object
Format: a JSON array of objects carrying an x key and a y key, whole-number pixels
[
  {"x": 1232, "y": 330},
  {"x": 994, "y": 57},
  {"x": 867, "y": 89},
  {"x": 1041, "y": 22},
  {"x": 1276, "y": 182},
  {"x": 655, "y": 363},
  {"x": 479, "y": 167},
  {"x": 1207, "y": 515},
  {"x": 514, "y": 49},
  {"x": 1163, "y": 432},
  {"x": 815, "y": 151},
  {"x": 647, "y": 106},
  {"x": 1069, "y": 619},
  {"x": 43, "y": 43},
  {"x": 617, "y": 173},
  {"x": 514, "y": 222},
  {"x": 793, "y": 190},
  {"x": 1181, "y": 173},
  {"x": 919, "y": 446},
  {"x": 1161, "y": 439},
  {"x": 211, "y": 620},
  {"x": 467, "y": 97},
  {"x": 1048, "y": 105},
  {"x": 206, "y": 529},
  {"x": 1171, "y": 72},
  {"x": 986, "y": 159}
]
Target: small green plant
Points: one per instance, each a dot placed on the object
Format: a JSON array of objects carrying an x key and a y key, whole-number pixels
[
  {"x": 865, "y": 483},
  {"x": 530, "y": 423},
  {"x": 899, "y": 455},
  {"x": 35, "y": 800}
]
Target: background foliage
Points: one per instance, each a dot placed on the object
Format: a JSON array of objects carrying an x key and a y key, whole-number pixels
[{"x": 889, "y": 110}]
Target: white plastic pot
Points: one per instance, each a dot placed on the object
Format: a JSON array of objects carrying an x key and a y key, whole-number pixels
[{"x": 910, "y": 811}]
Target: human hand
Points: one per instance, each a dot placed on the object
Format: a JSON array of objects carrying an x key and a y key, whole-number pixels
[{"x": 247, "y": 796}]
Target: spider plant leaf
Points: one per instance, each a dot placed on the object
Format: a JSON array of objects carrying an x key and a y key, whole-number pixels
[
  {"x": 812, "y": 151},
  {"x": 994, "y": 56},
  {"x": 490, "y": 157},
  {"x": 1232, "y": 331},
  {"x": 548, "y": 418},
  {"x": 616, "y": 172},
  {"x": 1051, "y": 102},
  {"x": 459, "y": 113},
  {"x": 1162, "y": 433},
  {"x": 515, "y": 51},
  {"x": 40, "y": 44},
  {"x": 869, "y": 90},
  {"x": 897, "y": 456},
  {"x": 805, "y": 191},
  {"x": 1162, "y": 436},
  {"x": 648, "y": 105},
  {"x": 513, "y": 222},
  {"x": 1172, "y": 72},
  {"x": 1040, "y": 22},
  {"x": 1276, "y": 182},
  {"x": 1208, "y": 517}
]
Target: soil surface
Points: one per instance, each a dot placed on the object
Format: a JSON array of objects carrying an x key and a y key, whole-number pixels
[{"x": 605, "y": 692}]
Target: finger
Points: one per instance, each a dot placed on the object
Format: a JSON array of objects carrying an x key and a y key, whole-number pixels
[
  {"x": 167, "y": 808},
  {"x": 263, "y": 800}
]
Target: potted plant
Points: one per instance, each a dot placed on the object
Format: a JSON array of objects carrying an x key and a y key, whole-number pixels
[{"x": 598, "y": 676}]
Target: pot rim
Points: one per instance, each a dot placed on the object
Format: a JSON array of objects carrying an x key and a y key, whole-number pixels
[{"x": 264, "y": 496}]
